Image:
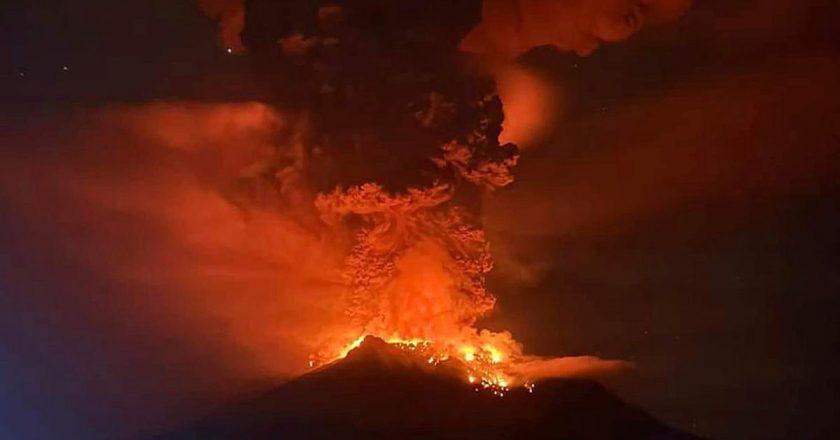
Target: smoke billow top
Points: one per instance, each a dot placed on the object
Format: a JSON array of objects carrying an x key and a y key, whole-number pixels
[{"x": 511, "y": 27}]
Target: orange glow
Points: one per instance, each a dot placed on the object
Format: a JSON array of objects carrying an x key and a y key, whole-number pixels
[
  {"x": 469, "y": 356},
  {"x": 231, "y": 17},
  {"x": 484, "y": 367},
  {"x": 355, "y": 344},
  {"x": 510, "y": 28},
  {"x": 531, "y": 104},
  {"x": 413, "y": 275}
]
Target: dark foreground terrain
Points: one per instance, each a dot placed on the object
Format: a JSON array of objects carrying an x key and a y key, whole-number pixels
[{"x": 380, "y": 391}]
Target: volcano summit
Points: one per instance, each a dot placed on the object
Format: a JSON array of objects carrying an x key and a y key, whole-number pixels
[{"x": 381, "y": 391}]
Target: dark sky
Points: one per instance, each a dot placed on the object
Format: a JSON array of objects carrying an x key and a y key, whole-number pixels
[
  {"x": 683, "y": 214},
  {"x": 127, "y": 51}
]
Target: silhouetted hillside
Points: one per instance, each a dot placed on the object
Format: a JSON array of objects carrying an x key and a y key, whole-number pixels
[{"x": 380, "y": 391}]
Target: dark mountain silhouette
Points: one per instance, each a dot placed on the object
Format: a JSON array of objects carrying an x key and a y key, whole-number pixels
[{"x": 379, "y": 391}]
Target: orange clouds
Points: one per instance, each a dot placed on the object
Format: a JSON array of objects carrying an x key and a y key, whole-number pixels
[
  {"x": 165, "y": 198},
  {"x": 511, "y": 27},
  {"x": 531, "y": 102},
  {"x": 735, "y": 140}
]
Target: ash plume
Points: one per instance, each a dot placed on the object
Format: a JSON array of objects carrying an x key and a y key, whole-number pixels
[
  {"x": 511, "y": 27},
  {"x": 256, "y": 235},
  {"x": 402, "y": 140},
  {"x": 160, "y": 271}
]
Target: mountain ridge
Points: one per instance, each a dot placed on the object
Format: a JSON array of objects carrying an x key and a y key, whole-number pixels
[{"x": 381, "y": 391}]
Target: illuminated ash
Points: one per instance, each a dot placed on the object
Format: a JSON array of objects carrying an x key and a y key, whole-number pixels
[{"x": 399, "y": 143}]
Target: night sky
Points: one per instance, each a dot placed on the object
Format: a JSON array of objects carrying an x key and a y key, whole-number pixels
[{"x": 682, "y": 214}]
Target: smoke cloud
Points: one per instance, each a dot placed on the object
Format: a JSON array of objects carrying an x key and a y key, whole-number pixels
[
  {"x": 231, "y": 17},
  {"x": 402, "y": 237},
  {"x": 758, "y": 150},
  {"x": 511, "y": 27},
  {"x": 197, "y": 278},
  {"x": 531, "y": 103},
  {"x": 572, "y": 367},
  {"x": 205, "y": 218}
]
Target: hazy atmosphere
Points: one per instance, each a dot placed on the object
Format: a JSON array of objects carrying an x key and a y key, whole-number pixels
[{"x": 667, "y": 220}]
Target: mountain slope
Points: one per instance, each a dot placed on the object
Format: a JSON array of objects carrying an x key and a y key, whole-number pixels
[{"x": 380, "y": 391}]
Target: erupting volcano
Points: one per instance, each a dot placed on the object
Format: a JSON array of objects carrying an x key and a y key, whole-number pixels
[
  {"x": 364, "y": 396},
  {"x": 397, "y": 135},
  {"x": 430, "y": 219}
]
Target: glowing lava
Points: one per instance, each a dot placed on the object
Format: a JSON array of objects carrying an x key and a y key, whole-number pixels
[{"x": 484, "y": 366}]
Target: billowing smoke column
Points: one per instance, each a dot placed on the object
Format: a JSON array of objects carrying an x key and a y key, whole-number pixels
[{"x": 400, "y": 141}]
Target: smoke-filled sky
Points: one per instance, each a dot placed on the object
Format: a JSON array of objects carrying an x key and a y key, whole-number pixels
[{"x": 679, "y": 211}]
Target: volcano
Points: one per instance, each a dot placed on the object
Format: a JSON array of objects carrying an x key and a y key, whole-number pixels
[{"x": 383, "y": 391}]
